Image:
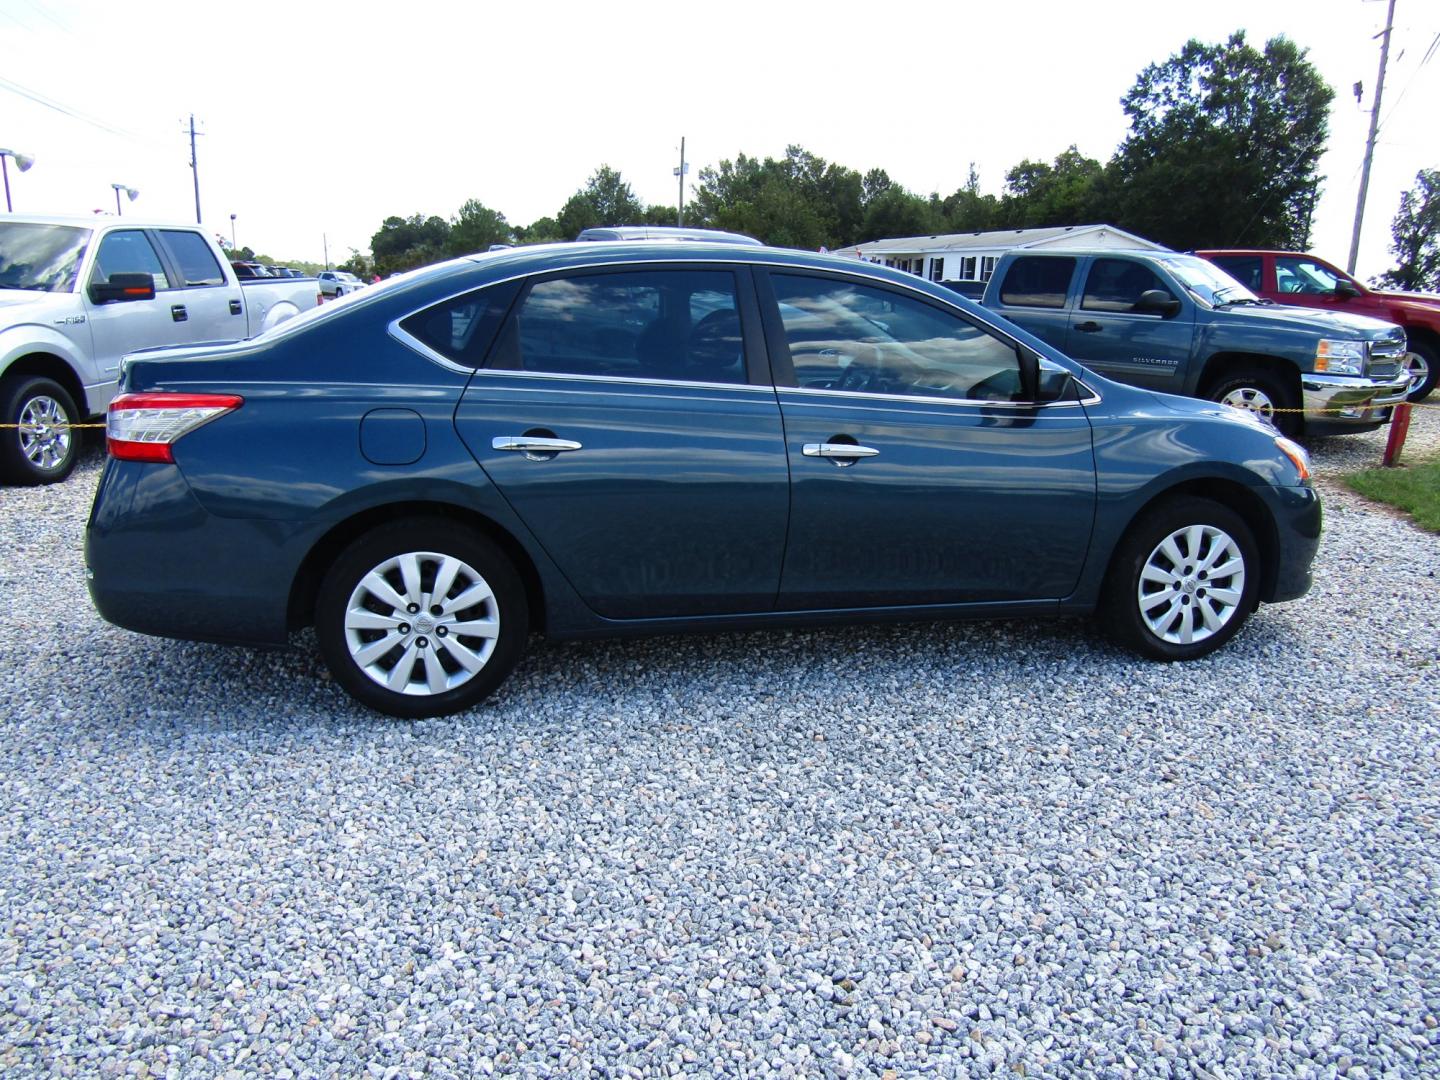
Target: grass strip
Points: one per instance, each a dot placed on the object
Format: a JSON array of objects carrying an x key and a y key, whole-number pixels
[{"x": 1414, "y": 489}]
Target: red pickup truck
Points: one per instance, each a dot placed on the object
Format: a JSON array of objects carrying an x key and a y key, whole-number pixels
[{"x": 1287, "y": 277}]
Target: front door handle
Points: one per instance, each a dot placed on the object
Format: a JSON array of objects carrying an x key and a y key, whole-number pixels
[
  {"x": 236, "y": 308},
  {"x": 845, "y": 452},
  {"x": 1089, "y": 327},
  {"x": 178, "y": 312},
  {"x": 532, "y": 444}
]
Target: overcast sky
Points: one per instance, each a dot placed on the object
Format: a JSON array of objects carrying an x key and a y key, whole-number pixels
[{"x": 321, "y": 120}]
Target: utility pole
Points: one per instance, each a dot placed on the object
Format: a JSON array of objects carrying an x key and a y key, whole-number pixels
[
  {"x": 680, "y": 172},
  {"x": 325, "y": 246},
  {"x": 194, "y": 169},
  {"x": 1370, "y": 142}
]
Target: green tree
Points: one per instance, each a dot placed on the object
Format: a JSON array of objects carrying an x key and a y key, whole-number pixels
[
  {"x": 1224, "y": 146},
  {"x": 405, "y": 243},
  {"x": 1415, "y": 237},
  {"x": 799, "y": 200},
  {"x": 475, "y": 227},
  {"x": 543, "y": 230},
  {"x": 606, "y": 199},
  {"x": 967, "y": 210},
  {"x": 897, "y": 212},
  {"x": 1065, "y": 193}
]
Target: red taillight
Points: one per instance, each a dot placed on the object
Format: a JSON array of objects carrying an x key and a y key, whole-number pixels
[{"x": 144, "y": 427}]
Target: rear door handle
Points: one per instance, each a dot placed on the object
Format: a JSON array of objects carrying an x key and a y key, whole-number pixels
[
  {"x": 532, "y": 444},
  {"x": 840, "y": 450},
  {"x": 178, "y": 312},
  {"x": 1089, "y": 327}
]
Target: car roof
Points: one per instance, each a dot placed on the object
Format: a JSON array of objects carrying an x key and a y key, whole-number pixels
[
  {"x": 97, "y": 221},
  {"x": 663, "y": 232}
]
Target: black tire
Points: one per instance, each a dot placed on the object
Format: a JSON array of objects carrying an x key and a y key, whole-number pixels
[
  {"x": 1260, "y": 385},
  {"x": 1426, "y": 354},
  {"x": 1121, "y": 610},
  {"x": 30, "y": 455},
  {"x": 438, "y": 538}
]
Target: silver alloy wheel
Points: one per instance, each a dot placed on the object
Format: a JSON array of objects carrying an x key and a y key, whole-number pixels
[
  {"x": 1249, "y": 397},
  {"x": 1418, "y": 368},
  {"x": 421, "y": 623},
  {"x": 44, "y": 433},
  {"x": 1191, "y": 584}
]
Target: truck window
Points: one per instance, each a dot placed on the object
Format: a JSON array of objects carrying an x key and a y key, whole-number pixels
[
  {"x": 1243, "y": 268},
  {"x": 1037, "y": 281},
  {"x": 193, "y": 256},
  {"x": 129, "y": 251},
  {"x": 1116, "y": 284},
  {"x": 1303, "y": 276}
]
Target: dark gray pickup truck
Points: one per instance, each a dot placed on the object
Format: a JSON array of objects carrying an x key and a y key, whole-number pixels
[{"x": 1177, "y": 323}]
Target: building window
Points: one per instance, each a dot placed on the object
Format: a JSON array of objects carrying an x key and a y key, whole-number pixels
[
  {"x": 987, "y": 267},
  {"x": 967, "y": 269},
  {"x": 937, "y": 269}
]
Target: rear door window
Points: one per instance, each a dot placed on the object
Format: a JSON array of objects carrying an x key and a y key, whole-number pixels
[
  {"x": 1115, "y": 285},
  {"x": 1037, "y": 281},
  {"x": 193, "y": 257},
  {"x": 1245, "y": 269},
  {"x": 681, "y": 325}
]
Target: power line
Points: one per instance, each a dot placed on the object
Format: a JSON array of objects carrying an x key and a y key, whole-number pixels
[{"x": 51, "y": 103}]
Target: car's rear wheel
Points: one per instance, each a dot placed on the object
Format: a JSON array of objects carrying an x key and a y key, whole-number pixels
[
  {"x": 1183, "y": 580},
  {"x": 1422, "y": 364},
  {"x": 1260, "y": 392},
  {"x": 42, "y": 446},
  {"x": 421, "y": 618}
]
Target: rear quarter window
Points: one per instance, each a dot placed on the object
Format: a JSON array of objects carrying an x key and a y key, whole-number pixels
[
  {"x": 197, "y": 263},
  {"x": 462, "y": 329}
]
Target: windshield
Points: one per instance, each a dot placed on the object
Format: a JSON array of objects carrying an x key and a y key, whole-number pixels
[
  {"x": 1208, "y": 281},
  {"x": 44, "y": 258}
]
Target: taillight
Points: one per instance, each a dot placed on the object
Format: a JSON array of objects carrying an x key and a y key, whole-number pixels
[{"x": 144, "y": 427}]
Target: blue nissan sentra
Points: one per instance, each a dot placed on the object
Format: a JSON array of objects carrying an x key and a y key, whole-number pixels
[{"x": 613, "y": 438}]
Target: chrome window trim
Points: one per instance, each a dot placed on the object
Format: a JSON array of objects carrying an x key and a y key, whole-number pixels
[
  {"x": 407, "y": 339},
  {"x": 627, "y": 380},
  {"x": 919, "y": 399}
]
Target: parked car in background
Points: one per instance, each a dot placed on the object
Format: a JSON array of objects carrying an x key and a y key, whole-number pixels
[
  {"x": 338, "y": 283},
  {"x": 596, "y": 440},
  {"x": 76, "y": 294},
  {"x": 665, "y": 232},
  {"x": 971, "y": 290},
  {"x": 249, "y": 271},
  {"x": 1288, "y": 277},
  {"x": 1179, "y": 324}
]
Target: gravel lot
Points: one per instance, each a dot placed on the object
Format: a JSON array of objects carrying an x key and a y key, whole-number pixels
[{"x": 951, "y": 850}]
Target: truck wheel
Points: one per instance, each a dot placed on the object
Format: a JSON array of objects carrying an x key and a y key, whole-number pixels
[
  {"x": 41, "y": 448},
  {"x": 1263, "y": 393},
  {"x": 1423, "y": 364},
  {"x": 1183, "y": 580},
  {"x": 420, "y": 618}
]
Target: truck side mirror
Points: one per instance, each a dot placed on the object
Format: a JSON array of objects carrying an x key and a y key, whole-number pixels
[
  {"x": 1157, "y": 302},
  {"x": 1346, "y": 289},
  {"x": 122, "y": 288}
]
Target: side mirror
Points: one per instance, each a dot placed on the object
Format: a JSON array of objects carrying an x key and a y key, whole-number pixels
[
  {"x": 1346, "y": 289},
  {"x": 1029, "y": 374},
  {"x": 1157, "y": 302},
  {"x": 122, "y": 288}
]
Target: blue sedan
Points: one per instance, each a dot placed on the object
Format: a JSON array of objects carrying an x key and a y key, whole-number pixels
[{"x": 614, "y": 438}]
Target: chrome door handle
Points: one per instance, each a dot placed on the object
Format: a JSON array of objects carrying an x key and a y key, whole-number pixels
[
  {"x": 847, "y": 451},
  {"x": 532, "y": 444}
]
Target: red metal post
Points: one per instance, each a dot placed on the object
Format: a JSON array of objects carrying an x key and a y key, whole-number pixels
[{"x": 1399, "y": 425}]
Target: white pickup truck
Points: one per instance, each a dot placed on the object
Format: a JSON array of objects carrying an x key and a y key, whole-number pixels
[{"x": 76, "y": 294}]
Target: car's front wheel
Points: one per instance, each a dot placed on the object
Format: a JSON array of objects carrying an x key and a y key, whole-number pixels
[
  {"x": 1422, "y": 364},
  {"x": 1183, "y": 580},
  {"x": 39, "y": 444},
  {"x": 1261, "y": 392},
  {"x": 421, "y": 618}
]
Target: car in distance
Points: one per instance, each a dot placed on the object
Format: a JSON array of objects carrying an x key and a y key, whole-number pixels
[
  {"x": 593, "y": 440},
  {"x": 335, "y": 283},
  {"x": 665, "y": 232},
  {"x": 1176, "y": 323},
  {"x": 1290, "y": 277}
]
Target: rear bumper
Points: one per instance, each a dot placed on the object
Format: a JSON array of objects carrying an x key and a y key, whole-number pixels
[
  {"x": 1336, "y": 403},
  {"x": 159, "y": 563}
]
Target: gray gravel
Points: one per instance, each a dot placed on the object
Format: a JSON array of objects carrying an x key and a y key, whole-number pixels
[{"x": 949, "y": 849}]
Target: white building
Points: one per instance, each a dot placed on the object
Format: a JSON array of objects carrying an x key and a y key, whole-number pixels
[{"x": 972, "y": 256}]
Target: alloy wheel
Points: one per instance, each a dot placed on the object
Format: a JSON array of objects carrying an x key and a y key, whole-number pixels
[
  {"x": 1251, "y": 398},
  {"x": 44, "y": 432},
  {"x": 422, "y": 623},
  {"x": 1417, "y": 368},
  {"x": 1192, "y": 584}
]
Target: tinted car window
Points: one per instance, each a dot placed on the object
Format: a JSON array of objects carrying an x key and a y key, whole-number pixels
[
  {"x": 1243, "y": 268},
  {"x": 463, "y": 328},
  {"x": 192, "y": 254},
  {"x": 1037, "y": 282},
  {"x": 1303, "y": 276},
  {"x": 651, "y": 324},
  {"x": 129, "y": 252},
  {"x": 1116, "y": 285},
  {"x": 846, "y": 336}
]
